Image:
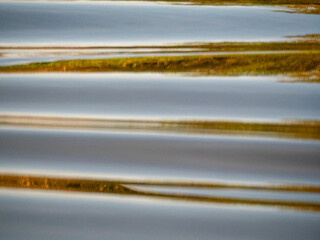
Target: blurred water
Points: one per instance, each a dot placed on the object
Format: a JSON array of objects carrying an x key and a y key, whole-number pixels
[
  {"x": 31, "y": 214},
  {"x": 160, "y": 156},
  {"x": 132, "y": 23},
  {"x": 131, "y": 95},
  {"x": 36, "y": 215},
  {"x": 235, "y": 193}
]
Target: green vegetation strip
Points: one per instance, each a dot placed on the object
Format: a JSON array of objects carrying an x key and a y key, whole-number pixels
[
  {"x": 255, "y": 64},
  {"x": 289, "y": 129},
  {"x": 114, "y": 187}
]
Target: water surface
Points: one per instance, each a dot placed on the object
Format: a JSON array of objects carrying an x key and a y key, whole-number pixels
[
  {"x": 158, "y": 96},
  {"x": 36, "y": 215},
  {"x": 141, "y": 23},
  {"x": 159, "y": 156},
  {"x": 31, "y": 214}
]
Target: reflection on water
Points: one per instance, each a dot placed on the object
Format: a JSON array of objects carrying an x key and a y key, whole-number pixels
[
  {"x": 78, "y": 216},
  {"x": 233, "y": 193},
  {"x": 286, "y": 129},
  {"x": 105, "y": 187},
  {"x": 160, "y": 156},
  {"x": 112, "y": 23},
  {"x": 159, "y": 96}
]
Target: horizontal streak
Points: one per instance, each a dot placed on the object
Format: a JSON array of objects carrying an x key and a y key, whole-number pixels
[
  {"x": 117, "y": 187},
  {"x": 290, "y": 129},
  {"x": 299, "y": 42},
  {"x": 302, "y": 62},
  {"x": 291, "y": 6},
  {"x": 6, "y": 178}
]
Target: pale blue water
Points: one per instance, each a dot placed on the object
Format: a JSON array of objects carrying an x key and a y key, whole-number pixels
[
  {"x": 35, "y": 215},
  {"x": 131, "y": 95},
  {"x": 161, "y": 156},
  {"x": 30, "y": 214},
  {"x": 125, "y": 23}
]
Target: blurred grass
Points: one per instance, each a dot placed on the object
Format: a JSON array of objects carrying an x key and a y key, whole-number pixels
[
  {"x": 242, "y": 64},
  {"x": 311, "y": 43},
  {"x": 307, "y": 129},
  {"x": 300, "y": 63},
  {"x": 114, "y": 187}
]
